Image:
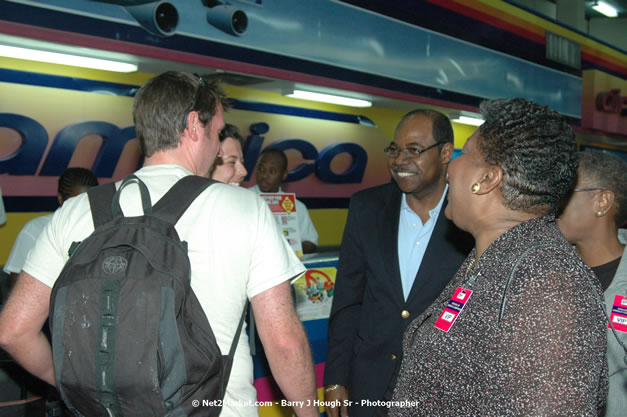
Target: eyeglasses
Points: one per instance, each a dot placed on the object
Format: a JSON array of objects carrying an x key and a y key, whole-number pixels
[
  {"x": 394, "y": 151},
  {"x": 588, "y": 189},
  {"x": 190, "y": 108}
]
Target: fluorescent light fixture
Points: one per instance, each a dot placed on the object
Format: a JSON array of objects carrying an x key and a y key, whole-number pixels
[
  {"x": 329, "y": 98},
  {"x": 467, "y": 118},
  {"x": 605, "y": 8},
  {"x": 65, "y": 59}
]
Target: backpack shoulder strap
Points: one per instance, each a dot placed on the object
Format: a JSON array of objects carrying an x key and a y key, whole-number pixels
[
  {"x": 178, "y": 198},
  {"x": 238, "y": 331},
  {"x": 100, "y": 200}
]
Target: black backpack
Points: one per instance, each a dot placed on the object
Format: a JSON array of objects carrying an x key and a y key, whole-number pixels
[{"x": 129, "y": 336}]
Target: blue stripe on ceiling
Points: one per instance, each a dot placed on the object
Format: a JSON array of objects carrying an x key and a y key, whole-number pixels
[
  {"x": 68, "y": 83},
  {"x": 299, "y": 111},
  {"x": 79, "y": 84}
]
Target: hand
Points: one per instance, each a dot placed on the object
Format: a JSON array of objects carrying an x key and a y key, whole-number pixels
[{"x": 336, "y": 396}]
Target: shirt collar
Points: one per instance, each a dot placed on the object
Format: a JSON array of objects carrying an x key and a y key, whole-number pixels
[
  {"x": 258, "y": 190},
  {"x": 434, "y": 212}
]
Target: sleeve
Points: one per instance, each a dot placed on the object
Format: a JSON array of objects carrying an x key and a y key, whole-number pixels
[
  {"x": 307, "y": 230},
  {"x": 272, "y": 259},
  {"x": 347, "y": 300},
  {"x": 22, "y": 245},
  {"x": 552, "y": 350},
  {"x": 49, "y": 254}
]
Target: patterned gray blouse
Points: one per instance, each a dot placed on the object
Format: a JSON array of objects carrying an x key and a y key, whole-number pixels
[{"x": 526, "y": 337}]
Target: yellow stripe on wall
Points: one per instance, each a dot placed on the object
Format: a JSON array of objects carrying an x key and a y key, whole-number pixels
[{"x": 539, "y": 25}]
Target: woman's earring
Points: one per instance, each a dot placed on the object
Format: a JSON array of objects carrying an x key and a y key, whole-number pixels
[
  {"x": 599, "y": 213},
  {"x": 475, "y": 188}
]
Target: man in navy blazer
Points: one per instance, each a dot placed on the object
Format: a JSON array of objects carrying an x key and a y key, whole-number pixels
[{"x": 398, "y": 253}]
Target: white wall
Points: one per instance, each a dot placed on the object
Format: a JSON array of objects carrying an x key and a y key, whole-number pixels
[
  {"x": 544, "y": 7},
  {"x": 572, "y": 13},
  {"x": 612, "y": 31}
]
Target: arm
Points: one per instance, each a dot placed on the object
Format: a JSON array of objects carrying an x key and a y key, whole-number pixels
[
  {"x": 12, "y": 280},
  {"x": 24, "y": 242},
  {"x": 21, "y": 321},
  {"x": 308, "y": 247},
  {"x": 286, "y": 347}
]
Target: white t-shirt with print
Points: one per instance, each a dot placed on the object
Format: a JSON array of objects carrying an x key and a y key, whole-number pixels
[
  {"x": 235, "y": 249},
  {"x": 305, "y": 225}
]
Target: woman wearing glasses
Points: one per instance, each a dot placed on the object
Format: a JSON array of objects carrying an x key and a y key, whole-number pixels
[
  {"x": 597, "y": 207},
  {"x": 520, "y": 329}
]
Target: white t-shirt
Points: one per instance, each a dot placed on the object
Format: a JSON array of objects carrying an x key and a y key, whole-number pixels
[
  {"x": 235, "y": 249},
  {"x": 305, "y": 225},
  {"x": 24, "y": 242}
]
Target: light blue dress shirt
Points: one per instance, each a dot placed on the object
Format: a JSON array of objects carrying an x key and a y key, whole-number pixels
[{"x": 413, "y": 238}]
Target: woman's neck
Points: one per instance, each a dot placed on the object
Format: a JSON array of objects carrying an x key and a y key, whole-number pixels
[
  {"x": 497, "y": 226},
  {"x": 600, "y": 246}
]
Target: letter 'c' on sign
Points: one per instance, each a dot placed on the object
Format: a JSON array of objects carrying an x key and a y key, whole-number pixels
[{"x": 354, "y": 174}]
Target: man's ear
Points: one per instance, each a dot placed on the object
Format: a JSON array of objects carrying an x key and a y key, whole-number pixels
[
  {"x": 490, "y": 179},
  {"x": 60, "y": 199},
  {"x": 284, "y": 176},
  {"x": 192, "y": 124},
  {"x": 447, "y": 152}
]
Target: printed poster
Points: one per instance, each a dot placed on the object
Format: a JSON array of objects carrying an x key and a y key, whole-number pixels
[
  {"x": 283, "y": 207},
  {"x": 314, "y": 293}
]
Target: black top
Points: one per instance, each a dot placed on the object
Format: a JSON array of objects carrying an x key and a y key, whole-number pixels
[{"x": 606, "y": 272}]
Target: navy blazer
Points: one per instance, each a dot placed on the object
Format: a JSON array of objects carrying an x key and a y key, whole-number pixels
[{"x": 369, "y": 313}]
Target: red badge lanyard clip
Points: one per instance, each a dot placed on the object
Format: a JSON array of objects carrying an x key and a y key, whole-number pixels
[{"x": 453, "y": 309}]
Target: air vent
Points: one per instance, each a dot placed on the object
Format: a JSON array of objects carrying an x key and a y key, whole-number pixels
[{"x": 562, "y": 50}]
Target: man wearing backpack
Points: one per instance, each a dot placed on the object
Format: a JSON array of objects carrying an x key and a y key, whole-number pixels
[{"x": 235, "y": 250}]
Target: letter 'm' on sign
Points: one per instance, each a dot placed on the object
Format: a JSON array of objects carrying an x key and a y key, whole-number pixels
[
  {"x": 34, "y": 141},
  {"x": 113, "y": 141}
]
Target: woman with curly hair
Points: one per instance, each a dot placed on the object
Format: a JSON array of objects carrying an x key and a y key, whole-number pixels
[
  {"x": 520, "y": 329},
  {"x": 591, "y": 220}
]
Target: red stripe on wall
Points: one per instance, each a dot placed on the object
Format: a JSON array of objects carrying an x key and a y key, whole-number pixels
[
  {"x": 497, "y": 19},
  {"x": 516, "y": 25},
  {"x": 594, "y": 57}
]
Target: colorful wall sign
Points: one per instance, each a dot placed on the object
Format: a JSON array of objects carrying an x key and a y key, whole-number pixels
[{"x": 604, "y": 104}]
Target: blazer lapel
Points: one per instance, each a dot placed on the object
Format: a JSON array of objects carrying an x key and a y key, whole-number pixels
[{"x": 388, "y": 230}]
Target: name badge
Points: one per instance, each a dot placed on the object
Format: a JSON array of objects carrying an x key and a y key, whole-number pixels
[
  {"x": 618, "y": 316},
  {"x": 453, "y": 309}
]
